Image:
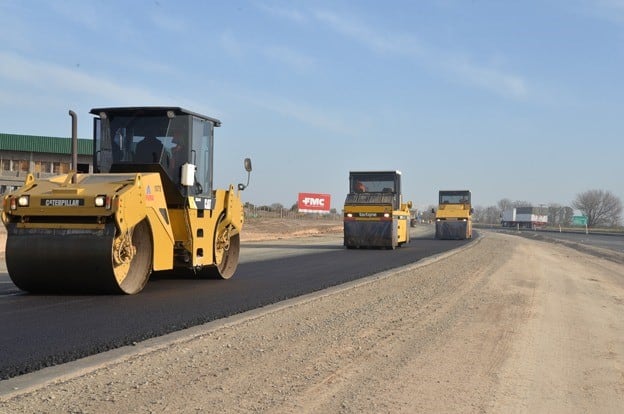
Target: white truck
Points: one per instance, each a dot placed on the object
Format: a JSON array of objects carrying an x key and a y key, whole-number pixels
[{"x": 524, "y": 217}]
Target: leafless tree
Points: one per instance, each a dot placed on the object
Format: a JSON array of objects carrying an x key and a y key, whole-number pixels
[
  {"x": 277, "y": 207},
  {"x": 505, "y": 204},
  {"x": 521, "y": 203},
  {"x": 559, "y": 215},
  {"x": 487, "y": 215},
  {"x": 477, "y": 214},
  {"x": 601, "y": 207},
  {"x": 492, "y": 215}
]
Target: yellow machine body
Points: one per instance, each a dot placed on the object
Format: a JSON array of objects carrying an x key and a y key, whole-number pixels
[
  {"x": 105, "y": 232},
  {"x": 454, "y": 215},
  {"x": 374, "y": 212}
]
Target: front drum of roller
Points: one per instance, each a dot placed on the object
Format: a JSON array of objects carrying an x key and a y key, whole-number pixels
[{"x": 79, "y": 260}]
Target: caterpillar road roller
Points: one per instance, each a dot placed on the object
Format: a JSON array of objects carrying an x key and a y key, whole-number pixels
[
  {"x": 374, "y": 212},
  {"x": 149, "y": 205},
  {"x": 453, "y": 219}
]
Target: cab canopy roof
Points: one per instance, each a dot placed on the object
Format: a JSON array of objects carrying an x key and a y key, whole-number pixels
[
  {"x": 455, "y": 192},
  {"x": 395, "y": 172},
  {"x": 152, "y": 111}
]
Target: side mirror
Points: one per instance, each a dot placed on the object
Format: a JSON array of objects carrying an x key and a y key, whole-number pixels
[
  {"x": 247, "y": 163},
  {"x": 433, "y": 211},
  {"x": 409, "y": 205}
]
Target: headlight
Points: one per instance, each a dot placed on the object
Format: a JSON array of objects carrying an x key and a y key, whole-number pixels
[
  {"x": 349, "y": 215},
  {"x": 23, "y": 201},
  {"x": 386, "y": 215},
  {"x": 103, "y": 201},
  {"x": 437, "y": 219}
]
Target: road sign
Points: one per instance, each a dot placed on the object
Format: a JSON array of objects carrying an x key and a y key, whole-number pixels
[{"x": 579, "y": 220}]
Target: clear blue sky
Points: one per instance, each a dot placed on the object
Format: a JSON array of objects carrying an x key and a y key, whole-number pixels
[{"x": 510, "y": 99}]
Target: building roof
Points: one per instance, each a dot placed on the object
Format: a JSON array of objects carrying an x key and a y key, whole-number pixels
[{"x": 50, "y": 145}]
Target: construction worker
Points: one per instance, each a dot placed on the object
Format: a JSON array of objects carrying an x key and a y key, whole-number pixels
[{"x": 360, "y": 187}]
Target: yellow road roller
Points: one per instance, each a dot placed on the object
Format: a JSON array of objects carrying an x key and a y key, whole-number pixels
[
  {"x": 148, "y": 206},
  {"x": 454, "y": 215},
  {"x": 374, "y": 212}
]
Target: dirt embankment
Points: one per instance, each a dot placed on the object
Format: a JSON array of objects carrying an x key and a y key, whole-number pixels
[
  {"x": 507, "y": 325},
  {"x": 257, "y": 229}
]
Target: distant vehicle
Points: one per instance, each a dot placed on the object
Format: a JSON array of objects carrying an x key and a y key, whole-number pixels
[
  {"x": 374, "y": 212},
  {"x": 453, "y": 218},
  {"x": 524, "y": 217}
]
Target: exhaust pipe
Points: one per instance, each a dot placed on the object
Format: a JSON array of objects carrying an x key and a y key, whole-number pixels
[{"x": 74, "y": 144}]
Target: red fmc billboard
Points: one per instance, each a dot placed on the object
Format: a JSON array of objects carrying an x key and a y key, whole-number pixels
[{"x": 313, "y": 203}]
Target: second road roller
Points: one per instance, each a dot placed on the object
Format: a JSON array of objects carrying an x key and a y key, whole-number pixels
[
  {"x": 374, "y": 212},
  {"x": 148, "y": 205}
]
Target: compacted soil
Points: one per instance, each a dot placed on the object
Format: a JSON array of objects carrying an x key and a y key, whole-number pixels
[{"x": 505, "y": 325}]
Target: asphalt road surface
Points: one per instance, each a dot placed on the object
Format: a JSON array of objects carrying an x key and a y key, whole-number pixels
[{"x": 46, "y": 330}]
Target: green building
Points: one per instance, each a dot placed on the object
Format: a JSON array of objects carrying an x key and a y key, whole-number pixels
[{"x": 41, "y": 156}]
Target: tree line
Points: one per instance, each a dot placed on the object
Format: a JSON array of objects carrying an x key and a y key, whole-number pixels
[{"x": 602, "y": 209}]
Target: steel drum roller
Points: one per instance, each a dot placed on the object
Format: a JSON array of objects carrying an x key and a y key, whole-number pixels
[{"x": 78, "y": 260}]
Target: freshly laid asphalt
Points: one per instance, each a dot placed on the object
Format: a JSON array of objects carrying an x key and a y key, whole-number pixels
[{"x": 46, "y": 330}]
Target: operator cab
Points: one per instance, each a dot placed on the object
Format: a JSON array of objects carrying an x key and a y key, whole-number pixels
[
  {"x": 157, "y": 139},
  {"x": 455, "y": 197},
  {"x": 377, "y": 184}
]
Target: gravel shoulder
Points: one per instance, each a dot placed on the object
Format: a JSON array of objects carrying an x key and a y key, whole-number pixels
[{"x": 506, "y": 325}]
